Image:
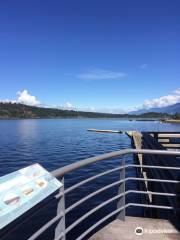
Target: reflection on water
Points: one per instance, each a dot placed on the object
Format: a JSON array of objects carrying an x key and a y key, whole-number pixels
[{"x": 27, "y": 129}]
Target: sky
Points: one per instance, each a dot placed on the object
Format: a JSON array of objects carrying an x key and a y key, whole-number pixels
[{"x": 99, "y": 55}]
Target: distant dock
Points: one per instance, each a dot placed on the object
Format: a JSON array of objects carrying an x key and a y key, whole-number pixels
[{"x": 103, "y": 131}]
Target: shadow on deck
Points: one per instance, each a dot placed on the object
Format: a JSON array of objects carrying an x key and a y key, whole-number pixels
[{"x": 149, "y": 229}]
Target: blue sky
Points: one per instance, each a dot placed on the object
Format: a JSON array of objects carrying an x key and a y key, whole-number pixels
[{"x": 93, "y": 54}]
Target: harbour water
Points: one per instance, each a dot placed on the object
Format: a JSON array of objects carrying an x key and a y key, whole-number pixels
[{"x": 57, "y": 142}]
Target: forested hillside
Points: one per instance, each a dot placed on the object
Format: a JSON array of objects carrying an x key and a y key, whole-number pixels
[{"x": 15, "y": 110}]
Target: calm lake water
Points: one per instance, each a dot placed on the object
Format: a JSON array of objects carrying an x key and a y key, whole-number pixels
[{"x": 56, "y": 143}]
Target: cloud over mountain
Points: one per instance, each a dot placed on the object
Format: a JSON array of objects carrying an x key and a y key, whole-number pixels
[
  {"x": 25, "y": 98},
  {"x": 163, "y": 101}
]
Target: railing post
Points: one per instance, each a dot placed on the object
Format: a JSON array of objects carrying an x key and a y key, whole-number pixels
[
  {"x": 60, "y": 228},
  {"x": 121, "y": 201},
  {"x": 178, "y": 199}
]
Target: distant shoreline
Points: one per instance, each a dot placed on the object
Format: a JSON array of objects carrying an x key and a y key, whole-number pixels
[
  {"x": 20, "y": 111},
  {"x": 97, "y": 118}
]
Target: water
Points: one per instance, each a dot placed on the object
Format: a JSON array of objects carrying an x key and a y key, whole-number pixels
[{"x": 56, "y": 143}]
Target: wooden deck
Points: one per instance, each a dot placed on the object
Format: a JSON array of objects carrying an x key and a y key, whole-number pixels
[{"x": 153, "y": 229}]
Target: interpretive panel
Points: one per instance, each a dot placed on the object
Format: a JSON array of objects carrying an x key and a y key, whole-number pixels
[{"x": 23, "y": 189}]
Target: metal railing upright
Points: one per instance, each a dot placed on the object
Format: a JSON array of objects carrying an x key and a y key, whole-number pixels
[{"x": 61, "y": 229}]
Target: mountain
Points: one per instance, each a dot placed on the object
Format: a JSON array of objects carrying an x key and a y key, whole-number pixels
[
  {"x": 171, "y": 109},
  {"x": 17, "y": 111}
]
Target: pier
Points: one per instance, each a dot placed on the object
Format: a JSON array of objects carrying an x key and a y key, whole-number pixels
[{"x": 126, "y": 229}]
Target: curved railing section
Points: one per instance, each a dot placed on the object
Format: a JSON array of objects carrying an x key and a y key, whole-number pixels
[{"x": 61, "y": 229}]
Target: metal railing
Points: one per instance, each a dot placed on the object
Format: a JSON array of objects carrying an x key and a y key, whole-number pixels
[{"x": 61, "y": 230}]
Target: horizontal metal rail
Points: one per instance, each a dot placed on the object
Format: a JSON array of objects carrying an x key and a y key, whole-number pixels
[
  {"x": 91, "y": 179},
  {"x": 59, "y": 173},
  {"x": 115, "y": 184},
  {"x": 46, "y": 226},
  {"x": 62, "y": 171},
  {"x": 99, "y": 222},
  {"x": 118, "y": 210},
  {"x": 114, "y": 198},
  {"x": 113, "y": 170},
  {"x": 94, "y": 194},
  {"x": 51, "y": 222}
]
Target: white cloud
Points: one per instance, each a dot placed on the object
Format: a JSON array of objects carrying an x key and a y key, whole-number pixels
[
  {"x": 25, "y": 98},
  {"x": 113, "y": 110},
  {"x": 7, "y": 101},
  {"x": 163, "y": 101},
  {"x": 143, "y": 66},
  {"x": 177, "y": 91},
  {"x": 152, "y": 103},
  {"x": 98, "y": 74},
  {"x": 68, "y": 105}
]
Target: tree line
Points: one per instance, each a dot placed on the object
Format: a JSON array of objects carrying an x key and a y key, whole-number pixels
[{"x": 17, "y": 110}]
